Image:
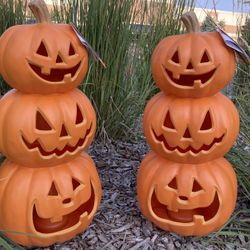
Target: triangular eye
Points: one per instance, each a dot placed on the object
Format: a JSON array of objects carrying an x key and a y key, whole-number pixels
[
  {"x": 207, "y": 122},
  {"x": 205, "y": 57},
  {"x": 173, "y": 183},
  {"x": 53, "y": 190},
  {"x": 196, "y": 187},
  {"x": 168, "y": 123},
  {"x": 79, "y": 117},
  {"x": 175, "y": 57},
  {"x": 75, "y": 183},
  {"x": 71, "y": 50},
  {"x": 41, "y": 123},
  {"x": 42, "y": 51}
]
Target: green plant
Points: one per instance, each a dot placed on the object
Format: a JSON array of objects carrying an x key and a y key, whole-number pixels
[
  {"x": 239, "y": 156},
  {"x": 210, "y": 25},
  {"x": 124, "y": 33},
  {"x": 245, "y": 30},
  {"x": 12, "y": 12}
]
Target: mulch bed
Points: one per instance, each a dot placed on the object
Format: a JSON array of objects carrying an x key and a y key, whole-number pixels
[{"x": 118, "y": 223}]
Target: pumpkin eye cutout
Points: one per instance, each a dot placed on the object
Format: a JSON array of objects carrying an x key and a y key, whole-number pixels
[
  {"x": 42, "y": 51},
  {"x": 71, "y": 50},
  {"x": 168, "y": 122},
  {"x": 41, "y": 123},
  {"x": 175, "y": 57},
  {"x": 196, "y": 186},
  {"x": 207, "y": 123},
  {"x": 75, "y": 183},
  {"x": 53, "y": 190},
  {"x": 79, "y": 116},
  {"x": 205, "y": 57},
  {"x": 173, "y": 184}
]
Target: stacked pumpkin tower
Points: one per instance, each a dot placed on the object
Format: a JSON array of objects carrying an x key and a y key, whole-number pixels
[
  {"x": 49, "y": 188},
  {"x": 185, "y": 184}
]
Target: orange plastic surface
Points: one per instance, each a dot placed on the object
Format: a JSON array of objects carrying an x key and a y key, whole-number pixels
[
  {"x": 188, "y": 199},
  {"x": 48, "y": 205}
]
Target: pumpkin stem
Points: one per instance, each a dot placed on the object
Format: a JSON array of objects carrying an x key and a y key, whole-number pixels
[
  {"x": 40, "y": 11},
  {"x": 191, "y": 22}
]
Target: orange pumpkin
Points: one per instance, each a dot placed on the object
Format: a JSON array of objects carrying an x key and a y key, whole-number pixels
[
  {"x": 185, "y": 198},
  {"x": 45, "y": 130},
  {"x": 195, "y": 64},
  {"x": 42, "y": 58},
  {"x": 48, "y": 205},
  {"x": 190, "y": 130}
]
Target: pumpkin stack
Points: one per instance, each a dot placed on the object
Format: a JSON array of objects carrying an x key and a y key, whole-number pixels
[
  {"x": 49, "y": 188},
  {"x": 185, "y": 185}
]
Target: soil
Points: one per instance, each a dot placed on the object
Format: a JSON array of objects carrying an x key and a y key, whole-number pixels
[{"x": 118, "y": 223}]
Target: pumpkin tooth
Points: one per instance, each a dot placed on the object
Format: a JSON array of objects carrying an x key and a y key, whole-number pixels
[
  {"x": 67, "y": 77},
  {"x": 197, "y": 84},
  {"x": 45, "y": 71},
  {"x": 173, "y": 208},
  {"x": 198, "y": 219},
  {"x": 55, "y": 74},
  {"x": 56, "y": 218},
  {"x": 175, "y": 75}
]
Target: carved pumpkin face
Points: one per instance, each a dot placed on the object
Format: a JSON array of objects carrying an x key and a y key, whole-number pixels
[
  {"x": 42, "y": 58},
  {"x": 46, "y": 63},
  {"x": 190, "y": 130},
  {"x": 45, "y": 130},
  {"x": 50, "y": 204},
  {"x": 184, "y": 198},
  {"x": 192, "y": 65}
]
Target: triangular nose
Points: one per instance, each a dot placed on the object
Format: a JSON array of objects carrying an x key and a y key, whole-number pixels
[
  {"x": 63, "y": 131},
  {"x": 59, "y": 59},
  {"x": 190, "y": 66},
  {"x": 187, "y": 134}
]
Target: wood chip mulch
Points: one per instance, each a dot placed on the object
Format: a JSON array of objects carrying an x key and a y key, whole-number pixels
[{"x": 118, "y": 223}]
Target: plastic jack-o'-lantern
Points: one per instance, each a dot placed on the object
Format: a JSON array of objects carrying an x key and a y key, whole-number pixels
[
  {"x": 48, "y": 191},
  {"x": 52, "y": 58},
  {"x": 45, "y": 130},
  {"x": 190, "y": 130},
  {"x": 48, "y": 205},
  {"x": 196, "y": 64},
  {"x": 185, "y": 198}
]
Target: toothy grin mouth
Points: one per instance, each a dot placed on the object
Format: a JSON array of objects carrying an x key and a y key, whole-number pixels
[
  {"x": 185, "y": 215},
  {"x": 204, "y": 147},
  {"x": 56, "y": 75},
  {"x": 46, "y": 226},
  {"x": 68, "y": 148},
  {"x": 190, "y": 80}
]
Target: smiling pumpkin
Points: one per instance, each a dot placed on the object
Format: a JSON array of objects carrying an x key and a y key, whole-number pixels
[
  {"x": 48, "y": 129},
  {"x": 52, "y": 59},
  {"x": 185, "y": 198},
  {"x": 194, "y": 76},
  {"x": 190, "y": 130},
  {"x": 62, "y": 72},
  {"x": 60, "y": 201},
  {"x": 196, "y": 64}
]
